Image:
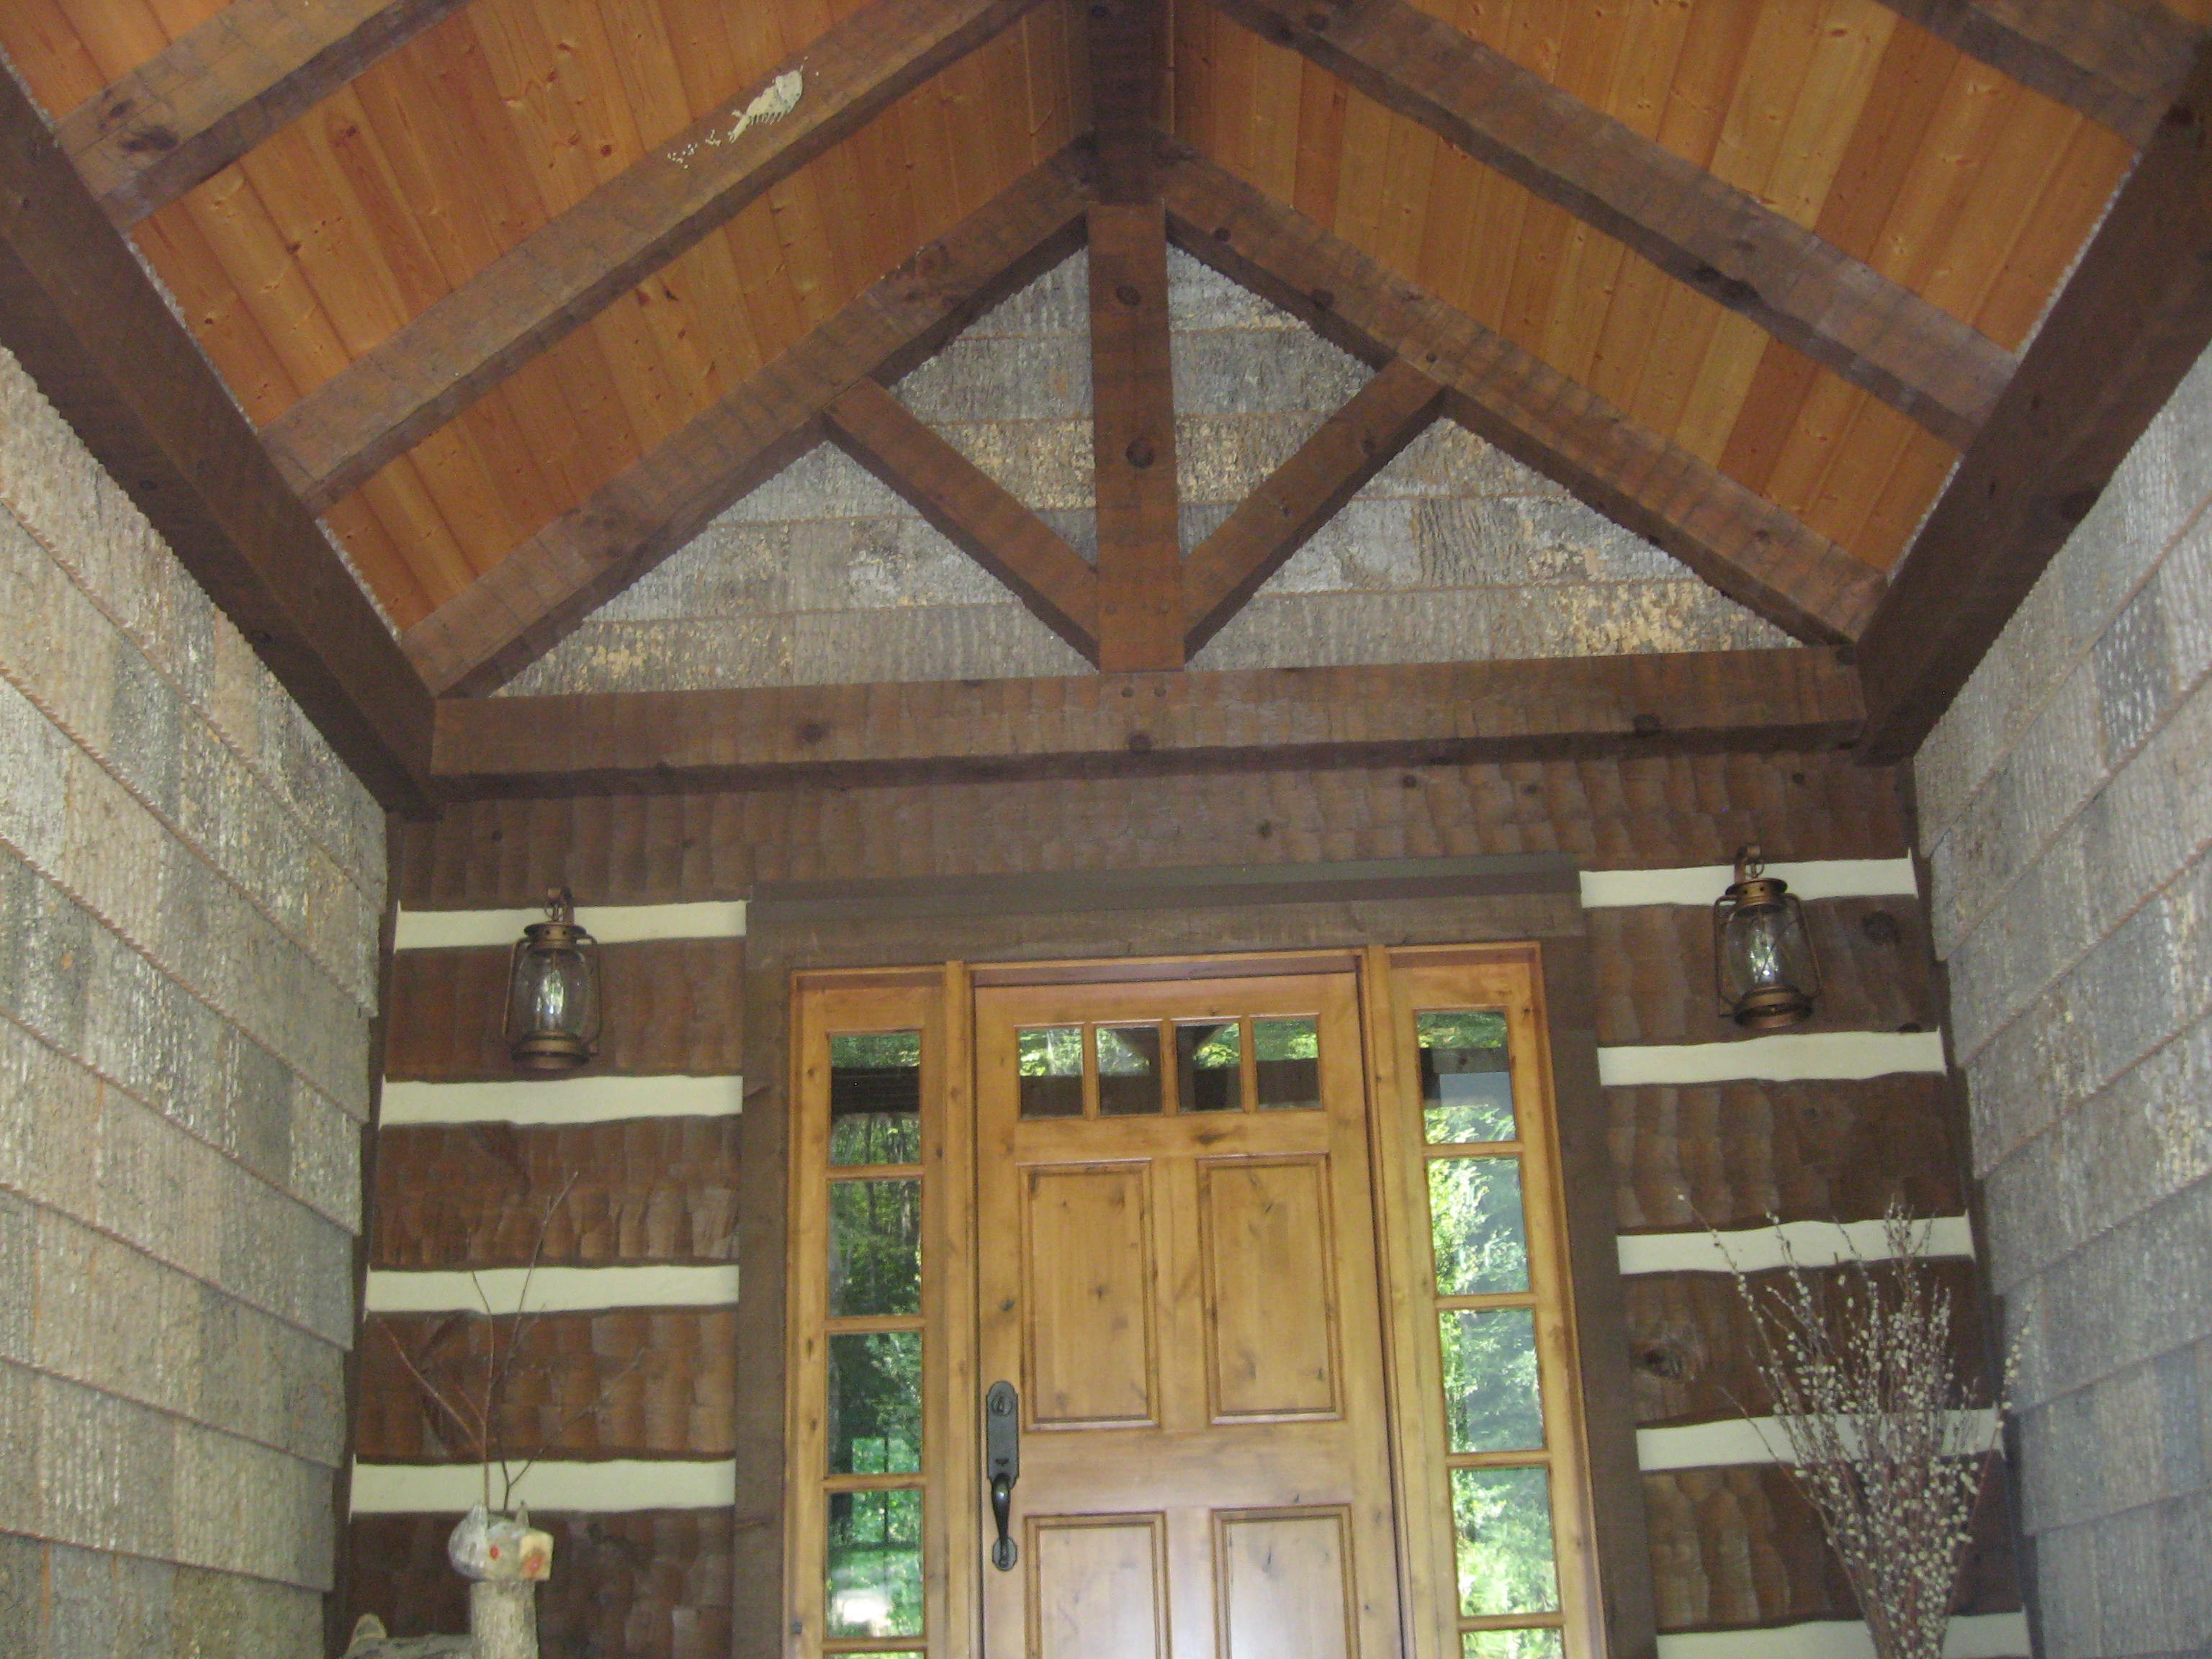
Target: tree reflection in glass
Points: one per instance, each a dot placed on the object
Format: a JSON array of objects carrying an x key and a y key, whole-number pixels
[
  {"x": 1467, "y": 1078},
  {"x": 875, "y": 1403},
  {"x": 1480, "y": 1241},
  {"x": 875, "y": 1564},
  {"x": 1493, "y": 1401},
  {"x": 1502, "y": 1519},
  {"x": 875, "y": 1247},
  {"x": 875, "y": 1098}
]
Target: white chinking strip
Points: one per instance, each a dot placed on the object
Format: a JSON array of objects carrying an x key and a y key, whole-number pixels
[
  {"x": 1755, "y": 1249},
  {"x": 567, "y": 1100},
  {"x": 609, "y": 924},
  {"x": 553, "y": 1290},
  {"x": 1813, "y": 1056},
  {"x": 1975, "y": 1635},
  {"x": 1754, "y": 1440},
  {"x": 1823, "y": 878},
  {"x": 594, "y": 1488}
]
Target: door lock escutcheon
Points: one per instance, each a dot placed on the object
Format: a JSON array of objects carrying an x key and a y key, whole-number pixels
[{"x": 1002, "y": 1467}]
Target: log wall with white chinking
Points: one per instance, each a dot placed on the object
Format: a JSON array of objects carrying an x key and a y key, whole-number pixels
[{"x": 1707, "y": 1127}]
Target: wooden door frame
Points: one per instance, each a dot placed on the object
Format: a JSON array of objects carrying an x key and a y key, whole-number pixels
[{"x": 1186, "y": 912}]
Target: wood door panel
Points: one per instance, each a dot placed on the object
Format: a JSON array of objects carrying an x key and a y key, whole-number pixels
[
  {"x": 1283, "y": 1586},
  {"x": 1190, "y": 1300},
  {"x": 1139, "y": 1469},
  {"x": 1087, "y": 1291},
  {"x": 1097, "y": 1588},
  {"x": 1269, "y": 1248}
]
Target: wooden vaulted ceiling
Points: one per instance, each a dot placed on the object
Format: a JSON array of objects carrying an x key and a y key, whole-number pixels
[{"x": 514, "y": 305}]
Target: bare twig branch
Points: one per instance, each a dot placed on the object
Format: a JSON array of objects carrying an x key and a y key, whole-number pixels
[{"x": 1888, "y": 1438}]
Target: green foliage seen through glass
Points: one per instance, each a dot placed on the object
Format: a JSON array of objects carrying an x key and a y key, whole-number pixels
[
  {"x": 875, "y": 1247},
  {"x": 1512, "y": 1644},
  {"x": 1210, "y": 1075},
  {"x": 1493, "y": 1401},
  {"x": 875, "y": 1564},
  {"x": 875, "y": 1098},
  {"x": 875, "y": 1403},
  {"x": 1503, "y": 1522},
  {"x": 1467, "y": 1078},
  {"x": 1480, "y": 1241}
]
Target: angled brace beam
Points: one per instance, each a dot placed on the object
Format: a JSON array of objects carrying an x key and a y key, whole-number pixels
[
  {"x": 1302, "y": 495},
  {"x": 1746, "y": 546},
  {"x": 572, "y": 267},
  {"x": 971, "y": 510},
  {"x": 518, "y": 609},
  {"x": 1804, "y": 291},
  {"x": 221, "y": 87}
]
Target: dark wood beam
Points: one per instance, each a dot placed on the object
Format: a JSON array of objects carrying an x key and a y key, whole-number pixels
[
  {"x": 971, "y": 510},
  {"x": 1104, "y": 724},
  {"x": 526, "y": 603},
  {"x": 1805, "y": 292},
  {"x": 2118, "y": 61},
  {"x": 573, "y": 267},
  {"x": 1128, "y": 74},
  {"x": 2133, "y": 319},
  {"x": 1301, "y": 495},
  {"x": 1744, "y": 545},
  {"x": 1133, "y": 435},
  {"x": 82, "y": 316},
  {"x": 221, "y": 87}
]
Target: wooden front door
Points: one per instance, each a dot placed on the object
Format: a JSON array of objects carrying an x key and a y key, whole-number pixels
[{"x": 1176, "y": 1258}]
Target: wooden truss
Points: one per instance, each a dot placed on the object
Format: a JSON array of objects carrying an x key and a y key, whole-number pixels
[{"x": 2040, "y": 434}]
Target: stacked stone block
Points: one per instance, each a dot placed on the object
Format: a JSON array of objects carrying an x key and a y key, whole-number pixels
[
  {"x": 191, "y": 884},
  {"x": 1453, "y": 552},
  {"x": 2066, "y": 807}
]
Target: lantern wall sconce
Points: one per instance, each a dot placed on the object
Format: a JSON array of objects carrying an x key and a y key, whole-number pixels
[
  {"x": 553, "y": 990},
  {"x": 1764, "y": 965}
]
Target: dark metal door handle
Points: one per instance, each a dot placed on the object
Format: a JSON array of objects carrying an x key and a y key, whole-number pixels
[{"x": 1002, "y": 1463}]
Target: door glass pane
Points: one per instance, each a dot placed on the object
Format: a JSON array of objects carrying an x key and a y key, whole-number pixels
[
  {"x": 1490, "y": 1397},
  {"x": 875, "y": 1097},
  {"x": 1128, "y": 1070},
  {"x": 1286, "y": 1057},
  {"x": 875, "y": 1564},
  {"x": 1050, "y": 1060},
  {"x": 875, "y": 1403},
  {"x": 1503, "y": 1520},
  {"x": 875, "y": 1247},
  {"x": 1466, "y": 1081},
  {"x": 1474, "y": 1218},
  {"x": 1512, "y": 1644},
  {"x": 1209, "y": 1064}
]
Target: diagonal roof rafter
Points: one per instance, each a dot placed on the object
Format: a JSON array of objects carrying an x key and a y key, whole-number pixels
[
  {"x": 579, "y": 263},
  {"x": 525, "y": 605},
  {"x": 222, "y": 87},
  {"x": 1804, "y": 291}
]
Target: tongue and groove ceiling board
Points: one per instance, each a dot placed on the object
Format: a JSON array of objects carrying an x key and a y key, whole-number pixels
[{"x": 1963, "y": 159}]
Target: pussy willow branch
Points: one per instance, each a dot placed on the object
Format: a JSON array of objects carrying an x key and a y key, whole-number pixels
[{"x": 1884, "y": 1438}]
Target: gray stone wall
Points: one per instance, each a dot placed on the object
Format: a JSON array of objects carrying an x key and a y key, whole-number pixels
[
  {"x": 2066, "y": 806},
  {"x": 1453, "y": 552},
  {"x": 191, "y": 884}
]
